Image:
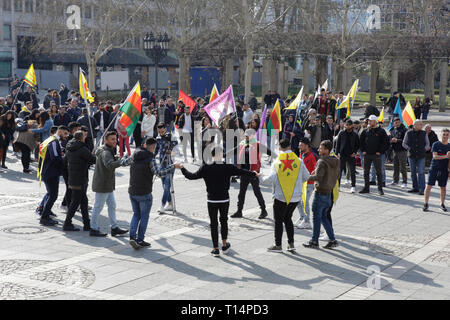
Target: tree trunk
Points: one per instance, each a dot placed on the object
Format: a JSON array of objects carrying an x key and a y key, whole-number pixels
[
  {"x": 184, "y": 76},
  {"x": 443, "y": 85},
  {"x": 429, "y": 79},
  {"x": 306, "y": 75},
  {"x": 249, "y": 69},
  {"x": 394, "y": 77},
  {"x": 282, "y": 79},
  {"x": 373, "y": 82},
  {"x": 228, "y": 78},
  {"x": 92, "y": 70},
  {"x": 339, "y": 78},
  {"x": 242, "y": 68},
  {"x": 321, "y": 70}
]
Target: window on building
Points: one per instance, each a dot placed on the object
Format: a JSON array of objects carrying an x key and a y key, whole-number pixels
[
  {"x": 28, "y": 5},
  {"x": 5, "y": 64},
  {"x": 7, "y": 5},
  {"x": 88, "y": 12},
  {"x": 18, "y": 5},
  {"x": 7, "y": 32}
]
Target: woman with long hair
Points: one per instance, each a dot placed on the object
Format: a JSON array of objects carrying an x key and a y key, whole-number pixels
[
  {"x": 417, "y": 108},
  {"x": 7, "y": 128},
  {"x": 56, "y": 98},
  {"x": 53, "y": 111},
  {"x": 45, "y": 124},
  {"x": 426, "y": 108}
]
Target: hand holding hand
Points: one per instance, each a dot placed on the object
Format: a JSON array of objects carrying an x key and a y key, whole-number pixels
[{"x": 178, "y": 165}]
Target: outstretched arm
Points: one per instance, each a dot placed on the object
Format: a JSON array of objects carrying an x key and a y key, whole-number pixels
[{"x": 192, "y": 176}]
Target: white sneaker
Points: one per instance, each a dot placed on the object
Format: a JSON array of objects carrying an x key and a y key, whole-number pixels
[
  {"x": 324, "y": 237},
  {"x": 353, "y": 190},
  {"x": 161, "y": 210},
  {"x": 168, "y": 207},
  {"x": 404, "y": 186},
  {"x": 304, "y": 225},
  {"x": 347, "y": 182}
]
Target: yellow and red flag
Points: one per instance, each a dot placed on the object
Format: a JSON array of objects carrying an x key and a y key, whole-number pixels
[
  {"x": 30, "y": 77},
  {"x": 408, "y": 115},
  {"x": 132, "y": 110},
  {"x": 84, "y": 90},
  {"x": 214, "y": 94},
  {"x": 275, "y": 119},
  {"x": 381, "y": 118},
  {"x": 188, "y": 101},
  {"x": 287, "y": 167}
]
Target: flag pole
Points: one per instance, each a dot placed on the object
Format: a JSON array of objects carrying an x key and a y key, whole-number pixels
[
  {"x": 17, "y": 94},
  {"x": 87, "y": 106}
]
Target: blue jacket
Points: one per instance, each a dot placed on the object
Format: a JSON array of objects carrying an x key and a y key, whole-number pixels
[
  {"x": 53, "y": 161},
  {"x": 45, "y": 130}
]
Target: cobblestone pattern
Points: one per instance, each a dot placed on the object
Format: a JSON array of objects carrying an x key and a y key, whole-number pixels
[
  {"x": 25, "y": 230},
  {"x": 442, "y": 257},
  {"x": 8, "y": 267},
  {"x": 12, "y": 291},
  {"x": 68, "y": 276}
]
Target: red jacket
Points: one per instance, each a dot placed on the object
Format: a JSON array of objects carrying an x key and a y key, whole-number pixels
[{"x": 310, "y": 161}]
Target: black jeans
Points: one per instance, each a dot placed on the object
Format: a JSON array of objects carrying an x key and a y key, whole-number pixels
[
  {"x": 245, "y": 181},
  {"x": 52, "y": 186},
  {"x": 368, "y": 159},
  {"x": 213, "y": 210},
  {"x": 283, "y": 215},
  {"x": 79, "y": 198},
  {"x": 5, "y": 149},
  {"x": 351, "y": 165},
  {"x": 68, "y": 195},
  {"x": 26, "y": 155}
]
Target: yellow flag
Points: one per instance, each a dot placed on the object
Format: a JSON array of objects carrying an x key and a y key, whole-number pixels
[
  {"x": 353, "y": 90},
  {"x": 214, "y": 94},
  {"x": 287, "y": 167},
  {"x": 381, "y": 118},
  {"x": 42, "y": 153},
  {"x": 84, "y": 90},
  {"x": 336, "y": 187},
  {"x": 305, "y": 190},
  {"x": 294, "y": 105},
  {"x": 30, "y": 77}
]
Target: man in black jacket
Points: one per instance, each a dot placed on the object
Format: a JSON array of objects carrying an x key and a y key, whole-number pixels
[
  {"x": 347, "y": 147},
  {"x": 374, "y": 142},
  {"x": 79, "y": 159},
  {"x": 400, "y": 157},
  {"x": 217, "y": 178},
  {"x": 103, "y": 118},
  {"x": 370, "y": 110},
  {"x": 142, "y": 170},
  {"x": 84, "y": 121}
]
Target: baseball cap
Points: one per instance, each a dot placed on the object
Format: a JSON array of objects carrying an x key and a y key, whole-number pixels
[{"x": 373, "y": 118}]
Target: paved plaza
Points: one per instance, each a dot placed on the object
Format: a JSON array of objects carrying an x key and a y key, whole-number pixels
[{"x": 389, "y": 234}]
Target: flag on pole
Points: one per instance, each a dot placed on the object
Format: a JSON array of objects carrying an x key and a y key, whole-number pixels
[
  {"x": 30, "y": 77},
  {"x": 296, "y": 103},
  {"x": 325, "y": 85},
  {"x": 84, "y": 90},
  {"x": 132, "y": 110},
  {"x": 346, "y": 104},
  {"x": 188, "y": 101},
  {"x": 214, "y": 94},
  {"x": 317, "y": 93},
  {"x": 222, "y": 106},
  {"x": 397, "y": 113},
  {"x": 275, "y": 119},
  {"x": 408, "y": 115},
  {"x": 381, "y": 118}
]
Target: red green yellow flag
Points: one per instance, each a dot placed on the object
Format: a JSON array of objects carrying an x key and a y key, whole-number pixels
[
  {"x": 30, "y": 77},
  {"x": 275, "y": 119},
  {"x": 132, "y": 110},
  {"x": 214, "y": 94},
  {"x": 408, "y": 115}
]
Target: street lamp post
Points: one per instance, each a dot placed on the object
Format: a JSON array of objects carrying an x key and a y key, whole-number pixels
[{"x": 156, "y": 48}]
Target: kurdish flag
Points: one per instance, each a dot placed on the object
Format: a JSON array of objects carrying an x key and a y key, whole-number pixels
[
  {"x": 214, "y": 94},
  {"x": 287, "y": 167},
  {"x": 132, "y": 110},
  {"x": 30, "y": 77},
  {"x": 408, "y": 115},
  {"x": 275, "y": 119},
  {"x": 350, "y": 98},
  {"x": 381, "y": 118},
  {"x": 296, "y": 103},
  {"x": 84, "y": 90}
]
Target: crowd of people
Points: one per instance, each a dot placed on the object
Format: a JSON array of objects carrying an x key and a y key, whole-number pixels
[{"x": 66, "y": 136}]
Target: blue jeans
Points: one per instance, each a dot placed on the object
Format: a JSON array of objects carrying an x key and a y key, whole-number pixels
[
  {"x": 141, "y": 208},
  {"x": 425, "y": 115},
  {"x": 52, "y": 186},
  {"x": 417, "y": 173},
  {"x": 100, "y": 200},
  {"x": 320, "y": 207},
  {"x": 167, "y": 197},
  {"x": 383, "y": 169},
  {"x": 301, "y": 209}
]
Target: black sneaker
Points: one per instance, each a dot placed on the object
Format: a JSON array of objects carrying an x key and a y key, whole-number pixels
[
  {"x": 144, "y": 244},
  {"x": 263, "y": 215},
  {"x": 364, "y": 191},
  {"x": 443, "y": 208},
  {"x": 331, "y": 245},
  {"x": 48, "y": 222},
  {"x": 86, "y": 228},
  {"x": 52, "y": 214},
  {"x": 421, "y": 193},
  {"x": 134, "y": 244},
  {"x": 381, "y": 192},
  {"x": 70, "y": 228},
  {"x": 291, "y": 247},
  {"x": 372, "y": 183},
  {"x": 413, "y": 191},
  {"x": 215, "y": 253},
  {"x": 27, "y": 171},
  {"x": 118, "y": 232},
  {"x": 238, "y": 214},
  {"x": 97, "y": 233},
  {"x": 425, "y": 207},
  {"x": 38, "y": 211},
  {"x": 311, "y": 245},
  {"x": 226, "y": 248},
  {"x": 4, "y": 167},
  {"x": 275, "y": 248}
]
